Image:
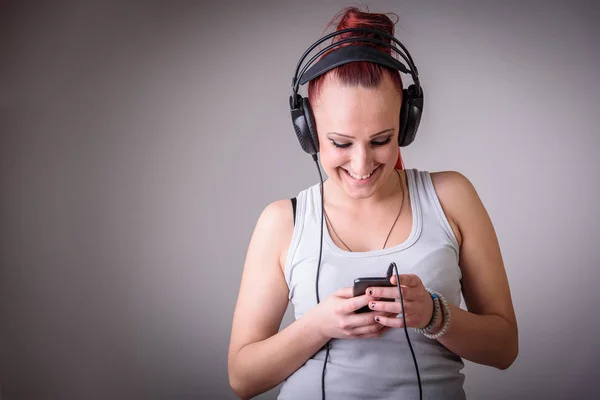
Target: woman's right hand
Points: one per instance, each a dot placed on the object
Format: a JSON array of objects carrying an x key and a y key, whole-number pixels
[{"x": 335, "y": 317}]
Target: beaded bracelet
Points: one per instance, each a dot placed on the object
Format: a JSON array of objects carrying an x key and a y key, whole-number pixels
[
  {"x": 446, "y": 318},
  {"x": 436, "y": 311}
]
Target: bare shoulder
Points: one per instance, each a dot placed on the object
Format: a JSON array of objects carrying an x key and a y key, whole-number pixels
[
  {"x": 485, "y": 285},
  {"x": 456, "y": 194},
  {"x": 263, "y": 293},
  {"x": 278, "y": 213},
  {"x": 453, "y": 185},
  {"x": 276, "y": 224}
]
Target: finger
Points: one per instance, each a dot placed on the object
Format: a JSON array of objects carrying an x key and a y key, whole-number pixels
[
  {"x": 344, "y": 292},
  {"x": 372, "y": 326},
  {"x": 390, "y": 292},
  {"x": 387, "y": 306},
  {"x": 354, "y": 321},
  {"x": 354, "y": 303},
  {"x": 385, "y": 314},
  {"x": 367, "y": 329},
  {"x": 394, "y": 322},
  {"x": 369, "y": 318},
  {"x": 408, "y": 280},
  {"x": 391, "y": 322}
]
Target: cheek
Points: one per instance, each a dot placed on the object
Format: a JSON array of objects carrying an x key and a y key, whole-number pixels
[
  {"x": 391, "y": 152},
  {"x": 330, "y": 156},
  {"x": 333, "y": 157},
  {"x": 387, "y": 154}
]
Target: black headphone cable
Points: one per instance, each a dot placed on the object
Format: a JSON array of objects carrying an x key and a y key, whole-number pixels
[
  {"x": 392, "y": 266},
  {"x": 327, "y": 345},
  {"x": 389, "y": 274}
]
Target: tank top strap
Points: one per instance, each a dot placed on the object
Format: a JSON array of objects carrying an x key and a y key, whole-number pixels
[
  {"x": 434, "y": 217},
  {"x": 304, "y": 217}
]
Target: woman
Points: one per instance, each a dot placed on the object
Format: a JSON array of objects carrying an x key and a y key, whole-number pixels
[{"x": 432, "y": 225}]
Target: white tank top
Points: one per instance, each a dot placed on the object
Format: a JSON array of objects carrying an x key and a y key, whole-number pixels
[{"x": 376, "y": 368}]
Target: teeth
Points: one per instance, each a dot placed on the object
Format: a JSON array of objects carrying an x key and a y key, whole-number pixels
[{"x": 358, "y": 177}]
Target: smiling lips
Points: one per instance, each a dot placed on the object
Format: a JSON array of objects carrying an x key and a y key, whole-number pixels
[{"x": 361, "y": 177}]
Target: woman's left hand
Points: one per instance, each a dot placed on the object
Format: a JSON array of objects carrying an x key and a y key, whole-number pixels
[{"x": 418, "y": 304}]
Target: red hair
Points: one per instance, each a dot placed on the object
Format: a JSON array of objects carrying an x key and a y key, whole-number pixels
[{"x": 360, "y": 73}]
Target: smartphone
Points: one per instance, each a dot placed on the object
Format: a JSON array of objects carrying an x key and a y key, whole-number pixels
[{"x": 361, "y": 285}]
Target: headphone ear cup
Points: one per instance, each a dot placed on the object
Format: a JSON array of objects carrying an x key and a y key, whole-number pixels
[
  {"x": 403, "y": 117},
  {"x": 310, "y": 123},
  {"x": 301, "y": 125},
  {"x": 410, "y": 115}
]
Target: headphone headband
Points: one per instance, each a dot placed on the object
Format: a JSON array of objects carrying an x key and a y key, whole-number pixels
[{"x": 377, "y": 56}]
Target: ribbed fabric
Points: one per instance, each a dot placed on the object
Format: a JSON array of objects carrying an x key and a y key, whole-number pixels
[{"x": 377, "y": 368}]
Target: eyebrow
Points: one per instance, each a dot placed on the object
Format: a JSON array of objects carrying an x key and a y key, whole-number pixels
[{"x": 370, "y": 137}]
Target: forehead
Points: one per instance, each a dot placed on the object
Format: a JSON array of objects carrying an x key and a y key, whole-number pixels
[{"x": 350, "y": 108}]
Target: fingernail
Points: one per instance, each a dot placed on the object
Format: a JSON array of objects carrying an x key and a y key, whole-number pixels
[
  {"x": 377, "y": 319},
  {"x": 372, "y": 304},
  {"x": 371, "y": 292}
]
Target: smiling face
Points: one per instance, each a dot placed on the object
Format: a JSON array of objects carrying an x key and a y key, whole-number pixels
[{"x": 358, "y": 134}]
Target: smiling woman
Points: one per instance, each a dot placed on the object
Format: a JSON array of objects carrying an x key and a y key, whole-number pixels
[
  {"x": 361, "y": 148},
  {"x": 433, "y": 226}
]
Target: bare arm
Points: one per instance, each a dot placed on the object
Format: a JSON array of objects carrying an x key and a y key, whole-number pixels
[
  {"x": 260, "y": 357},
  {"x": 487, "y": 333}
]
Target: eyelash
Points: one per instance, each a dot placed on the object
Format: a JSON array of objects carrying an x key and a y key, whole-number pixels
[{"x": 346, "y": 145}]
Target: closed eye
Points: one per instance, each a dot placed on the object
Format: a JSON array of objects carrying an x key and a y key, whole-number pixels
[
  {"x": 373, "y": 142},
  {"x": 386, "y": 141},
  {"x": 339, "y": 145}
]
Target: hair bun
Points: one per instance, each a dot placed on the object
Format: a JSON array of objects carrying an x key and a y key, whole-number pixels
[{"x": 352, "y": 17}]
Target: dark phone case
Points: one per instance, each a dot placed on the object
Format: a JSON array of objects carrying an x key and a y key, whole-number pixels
[{"x": 361, "y": 285}]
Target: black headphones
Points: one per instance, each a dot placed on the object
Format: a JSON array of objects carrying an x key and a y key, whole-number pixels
[{"x": 412, "y": 98}]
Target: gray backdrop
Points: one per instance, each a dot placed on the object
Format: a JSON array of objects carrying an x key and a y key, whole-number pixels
[{"x": 139, "y": 142}]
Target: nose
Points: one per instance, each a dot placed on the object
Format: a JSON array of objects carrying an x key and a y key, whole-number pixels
[{"x": 362, "y": 160}]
